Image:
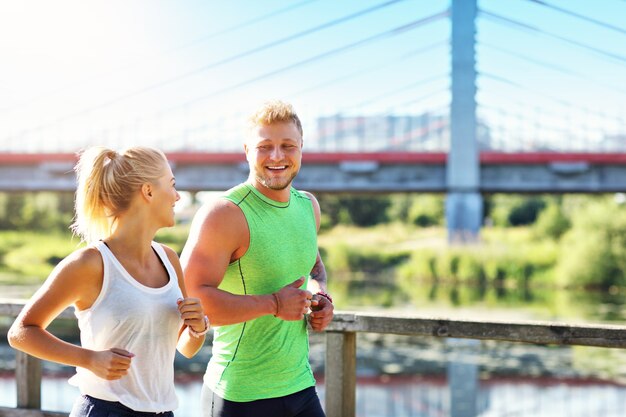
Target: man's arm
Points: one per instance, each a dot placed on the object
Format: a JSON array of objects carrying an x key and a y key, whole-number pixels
[
  {"x": 324, "y": 309},
  {"x": 219, "y": 235},
  {"x": 318, "y": 275}
]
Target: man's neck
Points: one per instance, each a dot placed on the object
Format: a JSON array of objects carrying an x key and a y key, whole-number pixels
[{"x": 276, "y": 195}]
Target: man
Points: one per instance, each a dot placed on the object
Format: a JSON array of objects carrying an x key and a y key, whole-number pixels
[{"x": 249, "y": 258}]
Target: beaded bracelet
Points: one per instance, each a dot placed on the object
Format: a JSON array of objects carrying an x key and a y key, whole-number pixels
[
  {"x": 202, "y": 333},
  {"x": 323, "y": 294}
]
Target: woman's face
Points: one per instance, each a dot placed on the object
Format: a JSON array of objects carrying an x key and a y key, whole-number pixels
[{"x": 164, "y": 197}]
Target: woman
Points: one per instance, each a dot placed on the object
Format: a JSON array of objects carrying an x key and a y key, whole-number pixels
[{"x": 127, "y": 290}]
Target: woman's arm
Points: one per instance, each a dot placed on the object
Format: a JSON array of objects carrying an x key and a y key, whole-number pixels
[
  {"x": 76, "y": 280},
  {"x": 190, "y": 311}
]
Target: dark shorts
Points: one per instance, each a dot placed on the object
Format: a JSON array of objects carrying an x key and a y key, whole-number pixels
[
  {"x": 86, "y": 406},
  {"x": 304, "y": 403}
]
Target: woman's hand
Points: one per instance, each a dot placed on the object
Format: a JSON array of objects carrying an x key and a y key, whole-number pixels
[
  {"x": 110, "y": 364},
  {"x": 192, "y": 314}
]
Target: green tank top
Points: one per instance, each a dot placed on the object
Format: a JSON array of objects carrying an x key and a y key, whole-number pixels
[{"x": 266, "y": 357}]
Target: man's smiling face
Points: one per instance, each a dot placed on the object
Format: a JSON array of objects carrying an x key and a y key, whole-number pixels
[{"x": 274, "y": 154}]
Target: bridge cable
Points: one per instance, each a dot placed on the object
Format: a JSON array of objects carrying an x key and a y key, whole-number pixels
[
  {"x": 389, "y": 33},
  {"x": 552, "y": 66},
  {"x": 166, "y": 53},
  {"x": 233, "y": 58},
  {"x": 393, "y": 32},
  {"x": 579, "y": 16},
  {"x": 396, "y": 31},
  {"x": 519, "y": 25},
  {"x": 401, "y": 89},
  {"x": 387, "y": 63},
  {"x": 548, "y": 96},
  {"x": 210, "y": 66}
]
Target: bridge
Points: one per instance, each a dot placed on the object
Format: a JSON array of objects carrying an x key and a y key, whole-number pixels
[
  {"x": 489, "y": 130},
  {"x": 363, "y": 172}
]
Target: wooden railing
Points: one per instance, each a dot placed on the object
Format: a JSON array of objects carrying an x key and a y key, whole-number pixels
[
  {"x": 27, "y": 372},
  {"x": 340, "y": 373}
]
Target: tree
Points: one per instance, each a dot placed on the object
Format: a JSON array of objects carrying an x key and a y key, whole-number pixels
[
  {"x": 593, "y": 252},
  {"x": 552, "y": 222}
]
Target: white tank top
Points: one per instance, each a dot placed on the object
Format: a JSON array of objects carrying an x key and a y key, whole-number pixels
[{"x": 142, "y": 320}]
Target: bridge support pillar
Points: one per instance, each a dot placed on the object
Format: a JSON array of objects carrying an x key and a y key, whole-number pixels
[
  {"x": 464, "y": 203},
  {"x": 463, "y": 377},
  {"x": 464, "y": 214}
]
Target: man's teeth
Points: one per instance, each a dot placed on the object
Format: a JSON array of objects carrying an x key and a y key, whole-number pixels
[{"x": 280, "y": 167}]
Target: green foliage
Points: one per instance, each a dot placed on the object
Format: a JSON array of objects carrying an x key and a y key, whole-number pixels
[
  {"x": 419, "y": 209},
  {"x": 174, "y": 237},
  {"x": 447, "y": 264},
  {"x": 367, "y": 210},
  {"x": 587, "y": 240},
  {"x": 526, "y": 212},
  {"x": 427, "y": 210},
  {"x": 552, "y": 223},
  {"x": 375, "y": 261},
  {"x": 399, "y": 206},
  {"x": 471, "y": 268},
  {"x": 501, "y": 205},
  {"x": 35, "y": 211},
  {"x": 31, "y": 256},
  {"x": 353, "y": 209},
  {"x": 360, "y": 289},
  {"x": 488, "y": 206},
  {"x": 342, "y": 258},
  {"x": 330, "y": 206},
  {"x": 593, "y": 252},
  {"x": 422, "y": 265},
  {"x": 337, "y": 258},
  {"x": 515, "y": 210},
  {"x": 497, "y": 263}
]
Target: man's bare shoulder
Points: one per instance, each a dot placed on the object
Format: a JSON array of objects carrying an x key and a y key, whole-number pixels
[
  {"x": 314, "y": 202},
  {"x": 219, "y": 211},
  {"x": 219, "y": 221},
  {"x": 311, "y": 197},
  {"x": 219, "y": 228}
]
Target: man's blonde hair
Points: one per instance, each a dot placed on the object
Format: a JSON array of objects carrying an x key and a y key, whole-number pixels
[{"x": 275, "y": 111}]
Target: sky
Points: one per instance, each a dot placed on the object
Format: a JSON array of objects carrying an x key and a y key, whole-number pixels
[{"x": 183, "y": 75}]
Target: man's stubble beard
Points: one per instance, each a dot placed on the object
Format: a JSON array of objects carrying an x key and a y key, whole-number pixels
[{"x": 276, "y": 183}]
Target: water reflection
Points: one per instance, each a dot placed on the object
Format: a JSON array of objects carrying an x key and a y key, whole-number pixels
[
  {"x": 358, "y": 291},
  {"x": 411, "y": 397}
]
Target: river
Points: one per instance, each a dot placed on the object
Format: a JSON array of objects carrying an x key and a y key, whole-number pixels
[{"x": 409, "y": 397}]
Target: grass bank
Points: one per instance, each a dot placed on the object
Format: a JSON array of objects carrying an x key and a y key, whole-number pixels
[
  {"x": 27, "y": 258},
  {"x": 507, "y": 255}
]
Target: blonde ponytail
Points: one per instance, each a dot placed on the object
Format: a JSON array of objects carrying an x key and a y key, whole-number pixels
[{"x": 107, "y": 182}]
